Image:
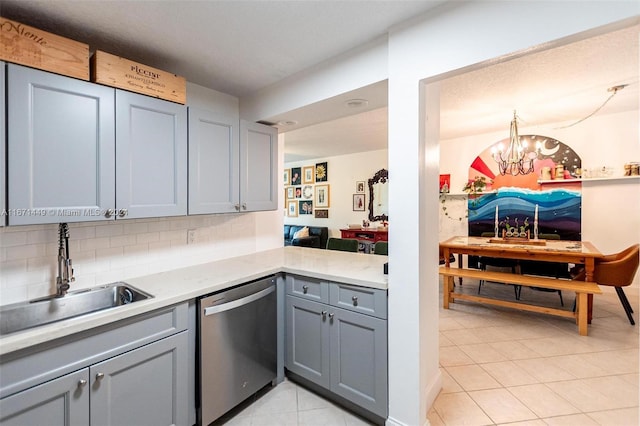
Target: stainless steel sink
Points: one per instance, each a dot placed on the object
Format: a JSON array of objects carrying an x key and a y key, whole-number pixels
[{"x": 24, "y": 315}]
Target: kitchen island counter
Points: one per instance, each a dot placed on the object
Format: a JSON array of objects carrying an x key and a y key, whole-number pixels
[{"x": 180, "y": 285}]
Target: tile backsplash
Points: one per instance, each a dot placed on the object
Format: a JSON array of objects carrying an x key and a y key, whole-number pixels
[{"x": 104, "y": 252}]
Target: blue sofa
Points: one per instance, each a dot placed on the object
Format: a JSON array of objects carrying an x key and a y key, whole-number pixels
[{"x": 317, "y": 238}]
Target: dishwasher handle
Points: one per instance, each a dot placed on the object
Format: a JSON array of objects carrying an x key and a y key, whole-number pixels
[{"x": 238, "y": 302}]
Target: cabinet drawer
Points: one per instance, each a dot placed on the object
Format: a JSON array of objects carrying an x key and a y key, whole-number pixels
[
  {"x": 308, "y": 288},
  {"x": 365, "y": 300}
]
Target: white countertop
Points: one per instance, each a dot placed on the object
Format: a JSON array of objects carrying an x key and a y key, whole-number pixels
[{"x": 180, "y": 285}]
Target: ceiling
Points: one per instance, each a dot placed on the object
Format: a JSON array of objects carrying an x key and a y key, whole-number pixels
[{"x": 240, "y": 47}]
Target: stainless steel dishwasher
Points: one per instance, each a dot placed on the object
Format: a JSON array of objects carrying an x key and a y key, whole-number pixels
[{"x": 237, "y": 353}]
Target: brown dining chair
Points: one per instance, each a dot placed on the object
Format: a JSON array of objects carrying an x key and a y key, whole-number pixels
[
  {"x": 499, "y": 262},
  {"x": 549, "y": 269},
  {"x": 617, "y": 270}
]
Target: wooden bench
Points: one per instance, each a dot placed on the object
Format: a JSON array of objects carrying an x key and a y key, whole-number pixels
[{"x": 581, "y": 288}]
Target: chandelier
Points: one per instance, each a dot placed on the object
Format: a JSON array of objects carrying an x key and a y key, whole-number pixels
[{"x": 516, "y": 159}]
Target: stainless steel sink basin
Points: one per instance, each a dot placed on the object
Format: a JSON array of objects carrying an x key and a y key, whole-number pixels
[{"x": 24, "y": 315}]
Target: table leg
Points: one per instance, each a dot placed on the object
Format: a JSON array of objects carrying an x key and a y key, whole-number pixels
[
  {"x": 589, "y": 267},
  {"x": 460, "y": 266},
  {"x": 446, "y": 291}
]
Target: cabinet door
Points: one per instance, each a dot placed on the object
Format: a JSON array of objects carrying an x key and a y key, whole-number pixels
[
  {"x": 61, "y": 148},
  {"x": 60, "y": 402},
  {"x": 307, "y": 340},
  {"x": 144, "y": 387},
  {"x": 258, "y": 167},
  {"x": 151, "y": 157},
  {"x": 359, "y": 359},
  {"x": 3, "y": 134},
  {"x": 213, "y": 162}
]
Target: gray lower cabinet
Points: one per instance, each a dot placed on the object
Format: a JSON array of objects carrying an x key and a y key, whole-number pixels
[
  {"x": 232, "y": 164},
  {"x": 144, "y": 387},
  {"x": 342, "y": 350},
  {"x": 62, "y": 401},
  {"x": 133, "y": 373}
]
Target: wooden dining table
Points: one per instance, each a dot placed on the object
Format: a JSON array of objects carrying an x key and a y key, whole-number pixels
[{"x": 577, "y": 252}]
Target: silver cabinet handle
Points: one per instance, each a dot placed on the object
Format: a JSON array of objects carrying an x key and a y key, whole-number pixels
[
  {"x": 122, "y": 212},
  {"x": 331, "y": 316},
  {"x": 109, "y": 213},
  {"x": 99, "y": 376},
  {"x": 355, "y": 300},
  {"x": 237, "y": 207},
  {"x": 305, "y": 289},
  {"x": 244, "y": 206},
  {"x": 324, "y": 315},
  {"x": 82, "y": 383}
]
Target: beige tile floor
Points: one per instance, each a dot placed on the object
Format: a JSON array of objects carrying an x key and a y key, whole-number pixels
[{"x": 502, "y": 366}]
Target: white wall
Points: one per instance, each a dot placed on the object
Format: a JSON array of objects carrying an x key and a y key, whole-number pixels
[
  {"x": 104, "y": 252},
  {"x": 344, "y": 172}
]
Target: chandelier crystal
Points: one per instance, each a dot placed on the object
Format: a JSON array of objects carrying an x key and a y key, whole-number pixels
[{"x": 516, "y": 159}]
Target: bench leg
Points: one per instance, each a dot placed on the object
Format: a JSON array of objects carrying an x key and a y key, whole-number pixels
[
  {"x": 446, "y": 293},
  {"x": 582, "y": 311}
]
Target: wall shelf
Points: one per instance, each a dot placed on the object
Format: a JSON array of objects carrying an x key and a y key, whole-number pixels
[{"x": 600, "y": 179}]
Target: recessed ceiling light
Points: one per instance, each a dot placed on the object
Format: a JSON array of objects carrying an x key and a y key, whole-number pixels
[
  {"x": 287, "y": 123},
  {"x": 356, "y": 103}
]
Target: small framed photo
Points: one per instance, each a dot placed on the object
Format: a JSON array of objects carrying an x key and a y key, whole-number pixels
[
  {"x": 322, "y": 197},
  {"x": 322, "y": 172},
  {"x": 358, "y": 202},
  {"x": 287, "y": 176},
  {"x": 291, "y": 193},
  {"x": 308, "y": 174},
  {"x": 321, "y": 214},
  {"x": 298, "y": 192},
  {"x": 296, "y": 177},
  {"x": 307, "y": 192},
  {"x": 306, "y": 207},
  {"x": 292, "y": 208},
  {"x": 360, "y": 187}
]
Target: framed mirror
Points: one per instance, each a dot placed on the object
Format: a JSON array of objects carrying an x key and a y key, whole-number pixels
[{"x": 379, "y": 196}]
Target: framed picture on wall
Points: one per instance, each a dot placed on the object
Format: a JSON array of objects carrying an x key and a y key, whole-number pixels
[
  {"x": 307, "y": 192},
  {"x": 292, "y": 208},
  {"x": 308, "y": 174},
  {"x": 321, "y": 214},
  {"x": 287, "y": 177},
  {"x": 322, "y": 172},
  {"x": 322, "y": 196},
  {"x": 291, "y": 193},
  {"x": 306, "y": 207},
  {"x": 298, "y": 192},
  {"x": 358, "y": 202},
  {"x": 296, "y": 178},
  {"x": 360, "y": 187}
]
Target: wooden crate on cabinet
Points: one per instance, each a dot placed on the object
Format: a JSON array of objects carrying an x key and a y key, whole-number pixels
[
  {"x": 114, "y": 71},
  {"x": 25, "y": 45}
]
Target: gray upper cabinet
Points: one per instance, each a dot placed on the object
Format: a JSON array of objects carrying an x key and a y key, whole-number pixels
[
  {"x": 3, "y": 134},
  {"x": 151, "y": 157},
  {"x": 258, "y": 167},
  {"x": 61, "y": 147},
  {"x": 214, "y": 156},
  {"x": 232, "y": 165}
]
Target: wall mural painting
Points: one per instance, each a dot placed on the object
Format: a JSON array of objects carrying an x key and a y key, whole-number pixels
[{"x": 559, "y": 205}]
